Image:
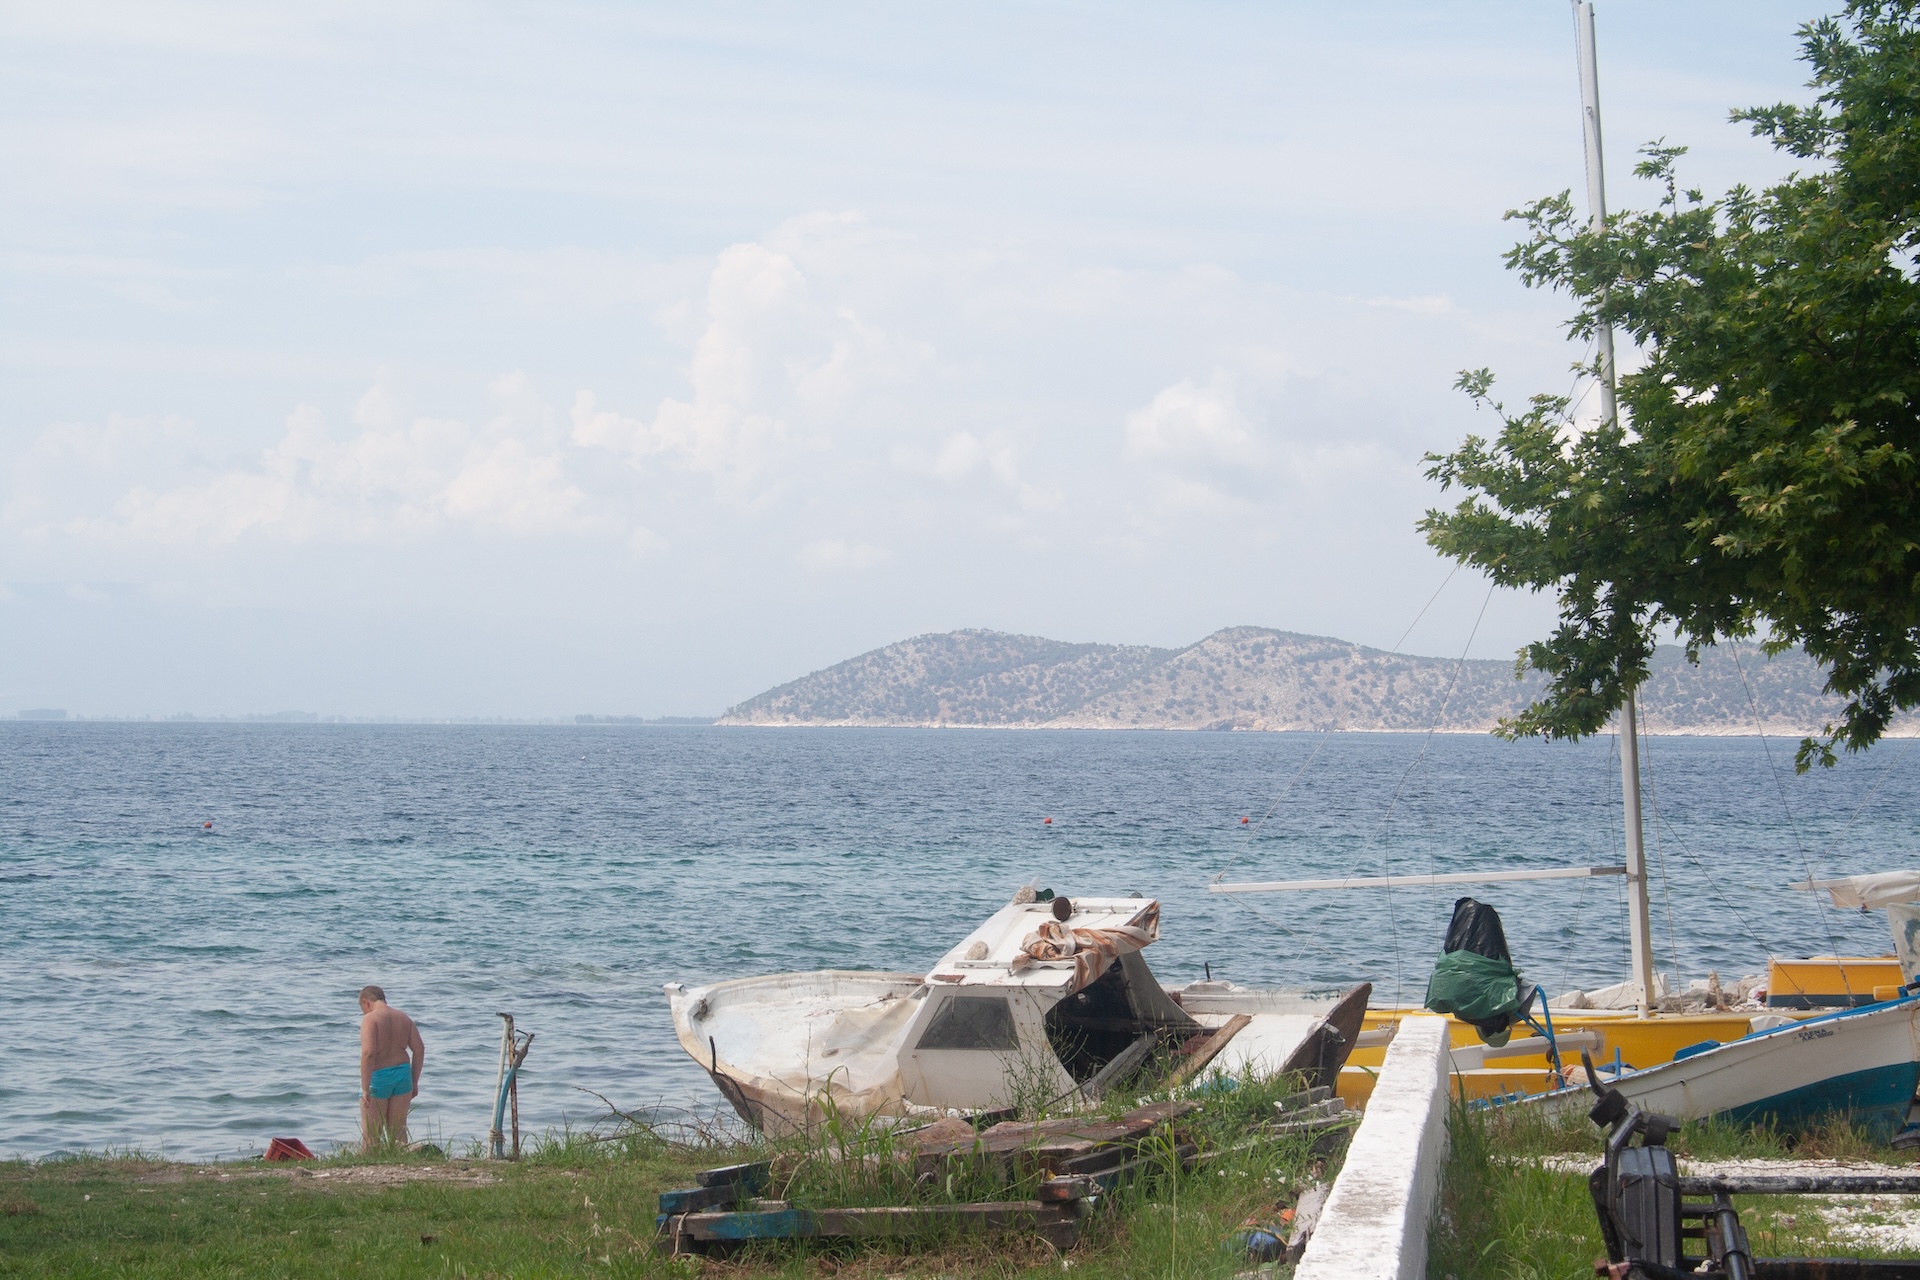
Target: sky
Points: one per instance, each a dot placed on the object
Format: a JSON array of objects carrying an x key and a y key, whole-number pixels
[{"x": 428, "y": 360}]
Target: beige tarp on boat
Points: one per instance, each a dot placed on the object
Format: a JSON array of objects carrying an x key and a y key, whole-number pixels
[{"x": 1092, "y": 951}]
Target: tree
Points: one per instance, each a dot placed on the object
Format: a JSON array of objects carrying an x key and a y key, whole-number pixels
[{"x": 1762, "y": 481}]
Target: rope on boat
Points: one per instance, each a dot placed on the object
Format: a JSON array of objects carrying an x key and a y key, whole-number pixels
[
  {"x": 1806, "y": 863},
  {"x": 1660, "y": 855},
  {"x": 1419, "y": 762},
  {"x": 1325, "y": 734}
]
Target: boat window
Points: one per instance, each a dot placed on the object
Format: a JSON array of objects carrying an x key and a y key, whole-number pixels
[{"x": 971, "y": 1022}]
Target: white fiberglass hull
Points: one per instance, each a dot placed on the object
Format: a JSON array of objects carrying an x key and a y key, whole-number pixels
[
  {"x": 1860, "y": 1065},
  {"x": 782, "y": 1048}
]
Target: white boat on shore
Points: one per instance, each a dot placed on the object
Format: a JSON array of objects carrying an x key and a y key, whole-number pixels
[
  {"x": 1859, "y": 1066},
  {"x": 1045, "y": 1001}
]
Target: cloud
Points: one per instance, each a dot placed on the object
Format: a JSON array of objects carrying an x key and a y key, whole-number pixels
[
  {"x": 1426, "y": 305},
  {"x": 836, "y": 554},
  {"x": 396, "y": 475},
  {"x": 645, "y": 542},
  {"x": 774, "y": 369},
  {"x": 741, "y": 373},
  {"x": 956, "y": 458},
  {"x": 1190, "y": 423}
]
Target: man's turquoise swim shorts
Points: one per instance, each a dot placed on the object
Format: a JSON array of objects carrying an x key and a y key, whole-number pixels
[{"x": 393, "y": 1081}]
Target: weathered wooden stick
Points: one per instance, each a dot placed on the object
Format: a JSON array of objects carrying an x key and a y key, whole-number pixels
[{"x": 1209, "y": 1049}]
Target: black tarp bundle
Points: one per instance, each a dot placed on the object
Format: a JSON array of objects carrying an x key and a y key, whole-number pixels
[{"x": 1475, "y": 980}]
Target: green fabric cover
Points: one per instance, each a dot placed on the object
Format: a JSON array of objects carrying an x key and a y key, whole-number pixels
[{"x": 1473, "y": 987}]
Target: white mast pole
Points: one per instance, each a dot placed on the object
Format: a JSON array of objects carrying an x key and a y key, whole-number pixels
[
  {"x": 1596, "y": 179},
  {"x": 1639, "y": 915}
]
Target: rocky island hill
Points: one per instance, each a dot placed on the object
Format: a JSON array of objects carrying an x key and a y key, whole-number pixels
[{"x": 1252, "y": 678}]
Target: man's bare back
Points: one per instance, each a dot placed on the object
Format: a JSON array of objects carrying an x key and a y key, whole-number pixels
[
  {"x": 388, "y": 1080},
  {"x": 385, "y": 1036}
]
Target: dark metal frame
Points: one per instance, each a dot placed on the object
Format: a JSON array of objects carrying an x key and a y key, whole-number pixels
[{"x": 1647, "y": 1218}]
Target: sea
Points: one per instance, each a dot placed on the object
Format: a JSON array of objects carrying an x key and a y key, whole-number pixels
[{"x": 187, "y": 990}]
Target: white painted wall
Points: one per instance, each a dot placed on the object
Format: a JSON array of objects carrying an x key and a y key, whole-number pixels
[{"x": 1375, "y": 1224}]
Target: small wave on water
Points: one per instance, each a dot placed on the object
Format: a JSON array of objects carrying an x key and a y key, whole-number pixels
[
  {"x": 257, "y": 1100},
  {"x": 209, "y": 985}
]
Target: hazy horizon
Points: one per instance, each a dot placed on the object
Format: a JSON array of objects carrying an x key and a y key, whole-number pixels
[{"x": 623, "y": 361}]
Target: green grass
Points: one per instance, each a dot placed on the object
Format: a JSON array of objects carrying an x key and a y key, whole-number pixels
[
  {"x": 1504, "y": 1215},
  {"x": 137, "y": 1218},
  {"x": 578, "y": 1206}
]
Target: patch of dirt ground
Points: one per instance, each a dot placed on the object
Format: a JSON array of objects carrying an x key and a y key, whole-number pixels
[{"x": 359, "y": 1175}]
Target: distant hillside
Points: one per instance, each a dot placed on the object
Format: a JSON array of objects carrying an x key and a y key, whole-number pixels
[
  {"x": 960, "y": 678},
  {"x": 1257, "y": 679}
]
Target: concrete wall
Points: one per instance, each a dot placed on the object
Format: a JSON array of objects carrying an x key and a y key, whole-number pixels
[{"x": 1375, "y": 1224}]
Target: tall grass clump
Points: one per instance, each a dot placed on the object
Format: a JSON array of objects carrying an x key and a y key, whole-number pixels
[{"x": 1503, "y": 1214}]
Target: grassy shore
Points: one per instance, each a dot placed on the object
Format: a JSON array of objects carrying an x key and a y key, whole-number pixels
[
  {"x": 1515, "y": 1205},
  {"x": 586, "y": 1208}
]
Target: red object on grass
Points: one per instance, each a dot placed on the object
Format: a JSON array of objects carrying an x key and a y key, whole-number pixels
[{"x": 288, "y": 1149}]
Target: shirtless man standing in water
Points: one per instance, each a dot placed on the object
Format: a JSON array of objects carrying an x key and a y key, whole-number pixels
[{"x": 388, "y": 1082}]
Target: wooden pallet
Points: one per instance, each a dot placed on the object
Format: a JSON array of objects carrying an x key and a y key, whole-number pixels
[
  {"x": 1056, "y": 1222},
  {"x": 1078, "y": 1159}
]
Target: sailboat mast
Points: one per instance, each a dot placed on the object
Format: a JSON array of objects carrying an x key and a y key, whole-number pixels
[
  {"x": 1639, "y": 913},
  {"x": 1596, "y": 181}
]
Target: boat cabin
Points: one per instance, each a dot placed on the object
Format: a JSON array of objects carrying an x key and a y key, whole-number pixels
[{"x": 1042, "y": 1002}]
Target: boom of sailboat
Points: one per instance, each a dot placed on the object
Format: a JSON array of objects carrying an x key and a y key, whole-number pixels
[{"x": 1416, "y": 882}]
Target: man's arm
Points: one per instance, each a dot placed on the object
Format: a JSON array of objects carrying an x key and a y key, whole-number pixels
[
  {"x": 419, "y": 1050},
  {"x": 366, "y": 1056}
]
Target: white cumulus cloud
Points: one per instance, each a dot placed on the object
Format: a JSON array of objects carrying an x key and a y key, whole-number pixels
[
  {"x": 830, "y": 554},
  {"x": 1193, "y": 423},
  {"x": 390, "y": 474},
  {"x": 775, "y": 369}
]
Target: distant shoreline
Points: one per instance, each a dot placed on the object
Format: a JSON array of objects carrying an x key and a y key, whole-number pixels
[
  {"x": 1766, "y": 731},
  {"x": 1773, "y": 731}
]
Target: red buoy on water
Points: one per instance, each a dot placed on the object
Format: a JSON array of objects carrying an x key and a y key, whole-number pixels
[
  {"x": 1046, "y": 822},
  {"x": 207, "y": 826},
  {"x": 1243, "y": 822}
]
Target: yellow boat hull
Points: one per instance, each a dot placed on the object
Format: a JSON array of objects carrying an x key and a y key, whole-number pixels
[{"x": 1641, "y": 1042}]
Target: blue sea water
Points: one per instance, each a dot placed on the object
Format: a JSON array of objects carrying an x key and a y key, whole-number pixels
[{"x": 192, "y": 992}]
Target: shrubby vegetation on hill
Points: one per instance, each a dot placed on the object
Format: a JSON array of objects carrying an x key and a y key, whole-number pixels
[{"x": 1256, "y": 678}]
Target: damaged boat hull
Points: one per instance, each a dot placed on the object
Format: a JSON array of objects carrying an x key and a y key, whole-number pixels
[{"x": 1043, "y": 1003}]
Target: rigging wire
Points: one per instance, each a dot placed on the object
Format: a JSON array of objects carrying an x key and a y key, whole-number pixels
[
  {"x": 1886, "y": 767},
  {"x": 1341, "y": 963},
  {"x": 1660, "y": 854},
  {"x": 1423, "y": 608},
  {"x": 1614, "y": 835},
  {"x": 1713, "y": 883},
  {"x": 1806, "y": 863},
  {"x": 1325, "y": 734},
  {"x": 1573, "y": 938},
  {"x": 1245, "y": 845},
  {"x": 1419, "y": 761}
]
